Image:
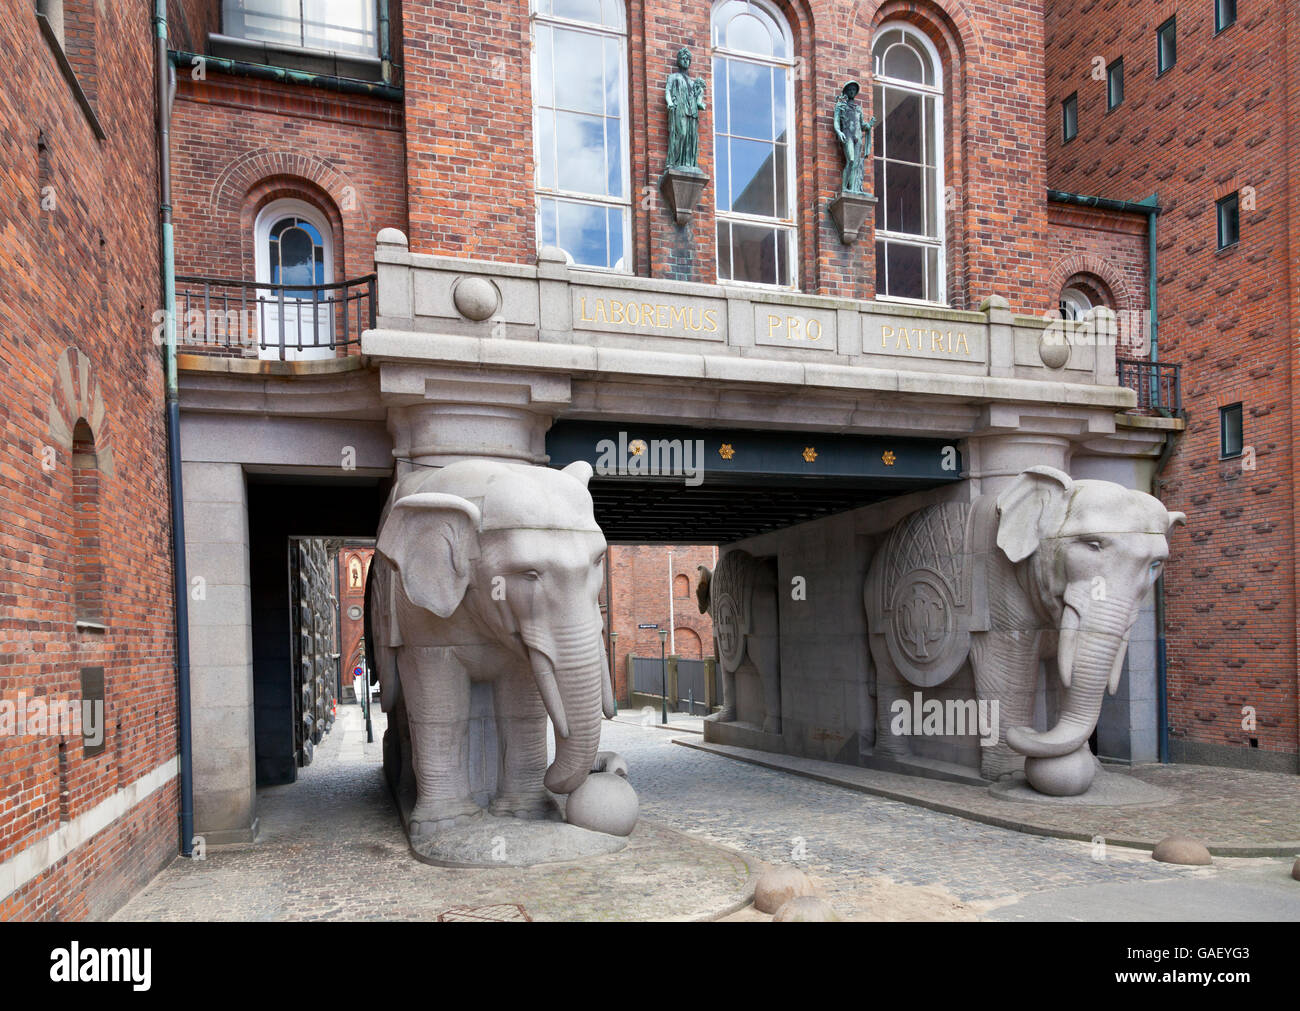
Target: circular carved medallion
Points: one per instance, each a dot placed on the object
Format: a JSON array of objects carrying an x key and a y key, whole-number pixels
[
  {"x": 923, "y": 625},
  {"x": 726, "y": 627}
]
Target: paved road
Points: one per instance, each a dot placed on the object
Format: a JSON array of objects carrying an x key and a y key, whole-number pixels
[{"x": 851, "y": 841}]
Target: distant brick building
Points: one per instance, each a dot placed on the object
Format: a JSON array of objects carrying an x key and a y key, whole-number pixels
[
  {"x": 1196, "y": 103},
  {"x": 655, "y": 585},
  {"x": 85, "y": 585},
  {"x": 353, "y": 568}
]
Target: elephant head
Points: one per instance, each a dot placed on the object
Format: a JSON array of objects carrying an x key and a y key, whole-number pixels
[
  {"x": 1091, "y": 550},
  {"x": 519, "y": 549}
]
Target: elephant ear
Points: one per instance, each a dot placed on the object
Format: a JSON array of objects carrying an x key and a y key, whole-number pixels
[
  {"x": 429, "y": 537},
  {"x": 704, "y": 578},
  {"x": 1033, "y": 507},
  {"x": 580, "y": 471},
  {"x": 1175, "y": 520}
]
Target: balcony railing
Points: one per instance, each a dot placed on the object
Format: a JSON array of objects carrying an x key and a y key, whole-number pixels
[
  {"x": 1158, "y": 385},
  {"x": 285, "y": 322}
]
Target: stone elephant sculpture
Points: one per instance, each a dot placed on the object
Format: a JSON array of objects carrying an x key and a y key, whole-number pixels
[
  {"x": 740, "y": 596},
  {"x": 1049, "y": 568},
  {"x": 489, "y": 572}
]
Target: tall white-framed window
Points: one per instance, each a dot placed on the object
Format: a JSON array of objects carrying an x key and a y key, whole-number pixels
[
  {"x": 293, "y": 247},
  {"x": 580, "y": 127},
  {"x": 907, "y": 94},
  {"x": 753, "y": 144},
  {"x": 336, "y": 26}
]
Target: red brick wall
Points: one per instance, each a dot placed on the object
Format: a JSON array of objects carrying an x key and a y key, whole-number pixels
[
  {"x": 1107, "y": 251},
  {"x": 642, "y": 592},
  {"x": 238, "y": 144},
  {"x": 79, "y": 261},
  {"x": 351, "y": 630},
  {"x": 1218, "y": 121},
  {"x": 470, "y": 146}
]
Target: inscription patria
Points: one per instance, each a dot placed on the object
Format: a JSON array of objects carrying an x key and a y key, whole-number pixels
[{"x": 925, "y": 342}]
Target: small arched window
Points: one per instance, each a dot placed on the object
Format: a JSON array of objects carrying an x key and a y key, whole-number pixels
[
  {"x": 681, "y": 586},
  {"x": 88, "y": 576},
  {"x": 1075, "y": 303},
  {"x": 580, "y": 130},
  {"x": 907, "y": 94},
  {"x": 753, "y": 143},
  {"x": 292, "y": 245}
]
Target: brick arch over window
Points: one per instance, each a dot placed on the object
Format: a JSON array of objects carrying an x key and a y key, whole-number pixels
[
  {"x": 267, "y": 191},
  {"x": 949, "y": 26},
  {"x": 1096, "y": 271},
  {"x": 322, "y": 184},
  {"x": 688, "y": 643}
]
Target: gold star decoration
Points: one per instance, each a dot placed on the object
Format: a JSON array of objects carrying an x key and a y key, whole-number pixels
[
  {"x": 725, "y": 451},
  {"x": 809, "y": 454},
  {"x": 889, "y": 457},
  {"x": 637, "y": 447}
]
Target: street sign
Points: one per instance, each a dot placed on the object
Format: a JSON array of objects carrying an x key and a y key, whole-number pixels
[{"x": 647, "y": 626}]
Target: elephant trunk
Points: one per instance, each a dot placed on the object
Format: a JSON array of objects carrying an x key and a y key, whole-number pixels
[
  {"x": 570, "y": 671},
  {"x": 1091, "y": 652}
]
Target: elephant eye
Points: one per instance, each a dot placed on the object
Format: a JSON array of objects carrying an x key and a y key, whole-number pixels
[
  {"x": 1095, "y": 545},
  {"x": 531, "y": 575}
]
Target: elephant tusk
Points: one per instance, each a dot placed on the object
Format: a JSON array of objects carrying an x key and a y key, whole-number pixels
[
  {"x": 1067, "y": 644},
  {"x": 550, "y": 693},
  {"x": 607, "y": 704},
  {"x": 1117, "y": 668}
]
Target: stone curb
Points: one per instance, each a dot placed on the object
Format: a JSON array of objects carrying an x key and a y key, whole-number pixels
[{"x": 1283, "y": 850}]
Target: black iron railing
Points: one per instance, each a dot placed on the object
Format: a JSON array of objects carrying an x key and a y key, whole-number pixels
[
  {"x": 274, "y": 320},
  {"x": 1158, "y": 385}
]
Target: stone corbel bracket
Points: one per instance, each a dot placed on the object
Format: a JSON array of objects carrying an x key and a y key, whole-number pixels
[
  {"x": 850, "y": 211},
  {"x": 682, "y": 189}
]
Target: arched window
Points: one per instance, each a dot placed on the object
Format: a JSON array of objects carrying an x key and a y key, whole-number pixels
[
  {"x": 88, "y": 574},
  {"x": 293, "y": 248},
  {"x": 580, "y": 130},
  {"x": 356, "y": 580},
  {"x": 1075, "y": 303},
  {"x": 908, "y": 160},
  {"x": 753, "y": 143},
  {"x": 681, "y": 585}
]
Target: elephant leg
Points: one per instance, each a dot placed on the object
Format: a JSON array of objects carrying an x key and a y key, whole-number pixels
[
  {"x": 435, "y": 690},
  {"x": 764, "y": 653},
  {"x": 727, "y": 714},
  {"x": 889, "y": 688},
  {"x": 521, "y": 740},
  {"x": 1006, "y": 672}
]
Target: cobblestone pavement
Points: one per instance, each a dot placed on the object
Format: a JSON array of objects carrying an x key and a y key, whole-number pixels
[
  {"x": 878, "y": 857},
  {"x": 330, "y": 847},
  {"x": 1226, "y": 809}
]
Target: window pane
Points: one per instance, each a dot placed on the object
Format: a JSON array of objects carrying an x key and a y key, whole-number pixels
[
  {"x": 749, "y": 35},
  {"x": 546, "y": 148},
  {"x": 613, "y": 79},
  {"x": 345, "y": 26},
  {"x": 932, "y": 286},
  {"x": 751, "y": 178},
  {"x": 583, "y": 233},
  {"x": 903, "y": 210},
  {"x": 878, "y": 103},
  {"x": 724, "y": 251},
  {"x": 906, "y": 266},
  {"x": 754, "y": 253},
  {"x": 931, "y": 132},
  {"x": 615, "y": 218},
  {"x": 880, "y": 192},
  {"x": 882, "y": 280},
  {"x": 902, "y": 125},
  {"x": 577, "y": 10},
  {"x": 904, "y": 63},
  {"x": 751, "y": 100},
  {"x": 1231, "y": 435},
  {"x": 297, "y": 264},
  {"x": 579, "y": 81},
  {"x": 544, "y": 74},
  {"x": 277, "y": 21},
  {"x": 614, "y": 158},
  {"x": 721, "y": 122},
  {"x": 581, "y": 145},
  {"x": 780, "y": 182},
  {"x": 932, "y": 196},
  {"x": 549, "y": 237}
]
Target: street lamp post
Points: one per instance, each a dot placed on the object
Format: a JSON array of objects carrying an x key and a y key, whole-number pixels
[{"x": 663, "y": 672}]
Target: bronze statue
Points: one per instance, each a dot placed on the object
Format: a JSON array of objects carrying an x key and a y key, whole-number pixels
[
  {"x": 685, "y": 97},
  {"x": 850, "y": 129}
]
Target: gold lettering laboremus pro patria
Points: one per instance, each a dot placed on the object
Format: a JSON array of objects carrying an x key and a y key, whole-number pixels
[{"x": 653, "y": 315}]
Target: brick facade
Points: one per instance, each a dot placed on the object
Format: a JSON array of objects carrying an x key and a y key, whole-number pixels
[
  {"x": 1218, "y": 121},
  {"x": 351, "y": 630},
  {"x": 86, "y": 534},
  {"x": 654, "y": 584}
]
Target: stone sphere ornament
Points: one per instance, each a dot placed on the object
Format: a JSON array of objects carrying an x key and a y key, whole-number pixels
[
  {"x": 778, "y": 885},
  {"x": 1181, "y": 850},
  {"x": 605, "y": 803},
  {"x": 1054, "y": 350},
  {"x": 1063, "y": 776},
  {"x": 476, "y": 298}
]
